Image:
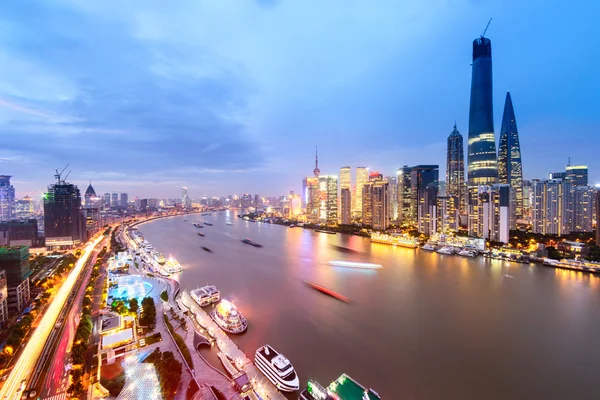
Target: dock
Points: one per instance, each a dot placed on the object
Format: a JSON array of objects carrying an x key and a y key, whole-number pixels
[{"x": 236, "y": 357}]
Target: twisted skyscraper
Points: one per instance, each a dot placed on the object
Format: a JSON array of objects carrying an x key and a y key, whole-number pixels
[
  {"x": 482, "y": 163},
  {"x": 510, "y": 169}
]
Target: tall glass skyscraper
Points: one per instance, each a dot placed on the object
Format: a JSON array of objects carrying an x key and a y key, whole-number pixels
[
  {"x": 7, "y": 198},
  {"x": 482, "y": 162},
  {"x": 510, "y": 169},
  {"x": 455, "y": 169}
]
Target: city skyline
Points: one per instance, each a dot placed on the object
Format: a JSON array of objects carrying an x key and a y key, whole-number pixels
[{"x": 221, "y": 118}]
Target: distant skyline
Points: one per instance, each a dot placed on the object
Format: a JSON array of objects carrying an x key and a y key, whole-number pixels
[{"x": 147, "y": 97}]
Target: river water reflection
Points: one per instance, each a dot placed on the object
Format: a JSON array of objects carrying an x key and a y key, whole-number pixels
[{"x": 424, "y": 326}]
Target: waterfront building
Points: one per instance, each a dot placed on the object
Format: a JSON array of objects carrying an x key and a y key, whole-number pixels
[
  {"x": 353, "y": 198},
  {"x": 7, "y": 198},
  {"x": 15, "y": 261},
  {"x": 380, "y": 206},
  {"x": 118, "y": 336},
  {"x": 185, "y": 199},
  {"x": 24, "y": 208},
  {"x": 455, "y": 170},
  {"x": 583, "y": 207},
  {"x": 510, "y": 168},
  {"x": 367, "y": 204},
  {"x": 427, "y": 221},
  {"x": 577, "y": 175},
  {"x": 328, "y": 199},
  {"x": 345, "y": 206},
  {"x": 447, "y": 214},
  {"x": 392, "y": 197},
  {"x": 494, "y": 216},
  {"x": 362, "y": 177},
  {"x": 114, "y": 200},
  {"x": 3, "y": 299},
  {"x": 403, "y": 191},
  {"x": 19, "y": 232},
  {"x": 64, "y": 224},
  {"x": 552, "y": 207},
  {"x": 422, "y": 177},
  {"x": 597, "y": 218},
  {"x": 482, "y": 162},
  {"x": 295, "y": 205}
]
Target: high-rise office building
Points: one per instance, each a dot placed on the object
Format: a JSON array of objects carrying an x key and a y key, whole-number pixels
[
  {"x": 362, "y": 177},
  {"x": 15, "y": 261},
  {"x": 114, "y": 200},
  {"x": 557, "y": 175},
  {"x": 257, "y": 201},
  {"x": 427, "y": 221},
  {"x": 552, "y": 207},
  {"x": 597, "y": 218},
  {"x": 124, "y": 199},
  {"x": 577, "y": 175},
  {"x": 422, "y": 177},
  {"x": 527, "y": 195},
  {"x": 64, "y": 224},
  {"x": 455, "y": 169},
  {"x": 482, "y": 162},
  {"x": 246, "y": 200},
  {"x": 185, "y": 199},
  {"x": 24, "y": 208},
  {"x": 494, "y": 215},
  {"x": 106, "y": 200},
  {"x": 404, "y": 195},
  {"x": 295, "y": 205},
  {"x": 380, "y": 203},
  {"x": 90, "y": 196},
  {"x": 345, "y": 205},
  {"x": 328, "y": 199},
  {"x": 367, "y": 204},
  {"x": 7, "y": 198},
  {"x": 345, "y": 178},
  {"x": 447, "y": 214},
  {"x": 392, "y": 197},
  {"x": 3, "y": 299},
  {"x": 510, "y": 168},
  {"x": 583, "y": 207}
]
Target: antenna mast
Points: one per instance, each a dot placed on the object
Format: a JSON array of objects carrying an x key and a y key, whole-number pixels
[{"x": 486, "y": 28}]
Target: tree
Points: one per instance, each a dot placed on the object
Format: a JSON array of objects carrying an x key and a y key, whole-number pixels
[
  {"x": 133, "y": 305},
  {"x": 148, "y": 316}
]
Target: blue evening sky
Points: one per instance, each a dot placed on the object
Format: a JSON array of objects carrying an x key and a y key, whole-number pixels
[{"x": 231, "y": 96}]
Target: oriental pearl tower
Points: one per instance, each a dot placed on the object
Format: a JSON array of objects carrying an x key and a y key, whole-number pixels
[{"x": 316, "y": 171}]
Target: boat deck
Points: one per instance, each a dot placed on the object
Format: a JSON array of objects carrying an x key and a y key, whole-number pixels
[{"x": 348, "y": 389}]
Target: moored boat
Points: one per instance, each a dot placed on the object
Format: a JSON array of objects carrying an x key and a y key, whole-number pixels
[
  {"x": 448, "y": 250},
  {"x": 428, "y": 247},
  {"x": 228, "y": 317},
  {"x": 277, "y": 368}
]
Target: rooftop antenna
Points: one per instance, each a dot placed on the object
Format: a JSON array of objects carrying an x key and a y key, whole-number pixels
[
  {"x": 486, "y": 28},
  {"x": 58, "y": 174},
  {"x": 569, "y": 162}
]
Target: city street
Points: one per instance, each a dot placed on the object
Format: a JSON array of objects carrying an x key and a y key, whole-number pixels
[{"x": 33, "y": 349}]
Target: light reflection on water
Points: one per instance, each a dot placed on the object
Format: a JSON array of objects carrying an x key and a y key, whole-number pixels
[{"x": 423, "y": 326}]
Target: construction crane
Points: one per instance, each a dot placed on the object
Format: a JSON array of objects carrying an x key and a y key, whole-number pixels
[
  {"x": 59, "y": 174},
  {"x": 486, "y": 28}
]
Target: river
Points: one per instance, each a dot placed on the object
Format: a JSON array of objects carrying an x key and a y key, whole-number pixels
[{"x": 425, "y": 326}]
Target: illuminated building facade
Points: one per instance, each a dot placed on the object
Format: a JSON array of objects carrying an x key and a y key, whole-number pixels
[
  {"x": 494, "y": 215},
  {"x": 597, "y": 218},
  {"x": 7, "y": 198},
  {"x": 510, "y": 168},
  {"x": 64, "y": 224},
  {"x": 246, "y": 200},
  {"x": 427, "y": 221},
  {"x": 185, "y": 200},
  {"x": 362, "y": 177},
  {"x": 455, "y": 169},
  {"x": 447, "y": 214},
  {"x": 295, "y": 205},
  {"x": 527, "y": 197},
  {"x": 392, "y": 197},
  {"x": 482, "y": 162},
  {"x": 345, "y": 178},
  {"x": 114, "y": 200},
  {"x": 3, "y": 299},
  {"x": 404, "y": 195},
  {"x": 15, "y": 261},
  {"x": 367, "y": 204},
  {"x": 345, "y": 205},
  {"x": 551, "y": 207},
  {"x": 24, "y": 208},
  {"x": 583, "y": 208},
  {"x": 328, "y": 199},
  {"x": 577, "y": 175},
  {"x": 380, "y": 212},
  {"x": 422, "y": 177}
]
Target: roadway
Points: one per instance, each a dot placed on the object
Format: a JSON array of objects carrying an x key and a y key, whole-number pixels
[
  {"x": 57, "y": 379},
  {"x": 36, "y": 343}
]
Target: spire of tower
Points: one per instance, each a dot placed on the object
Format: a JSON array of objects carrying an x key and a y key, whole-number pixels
[{"x": 316, "y": 171}]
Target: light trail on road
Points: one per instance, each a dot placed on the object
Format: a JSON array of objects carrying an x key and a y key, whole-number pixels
[{"x": 35, "y": 345}]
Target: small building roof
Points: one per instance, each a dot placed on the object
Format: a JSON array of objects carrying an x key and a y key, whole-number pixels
[{"x": 117, "y": 338}]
